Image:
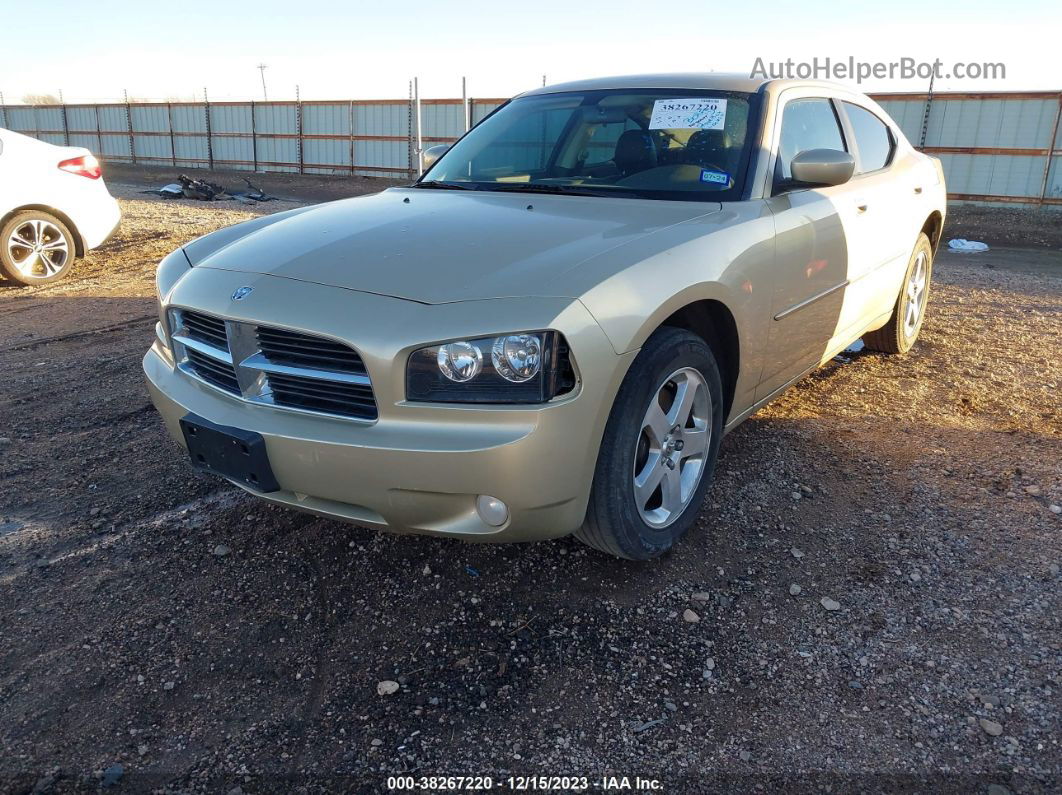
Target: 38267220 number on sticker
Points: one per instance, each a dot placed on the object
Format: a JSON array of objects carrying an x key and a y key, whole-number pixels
[{"x": 698, "y": 113}]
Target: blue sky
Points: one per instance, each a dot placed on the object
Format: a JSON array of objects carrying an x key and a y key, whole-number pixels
[{"x": 353, "y": 49}]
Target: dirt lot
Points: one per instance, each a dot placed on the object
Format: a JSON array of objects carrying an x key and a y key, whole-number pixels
[{"x": 160, "y": 629}]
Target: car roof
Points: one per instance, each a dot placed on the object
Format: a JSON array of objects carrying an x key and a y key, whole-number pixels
[{"x": 717, "y": 81}]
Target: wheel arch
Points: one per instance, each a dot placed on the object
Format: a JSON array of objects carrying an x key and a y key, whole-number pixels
[
  {"x": 934, "y": 229},
  {"x": 714, "y": 322},
  {"x": 79, "y": 243}
]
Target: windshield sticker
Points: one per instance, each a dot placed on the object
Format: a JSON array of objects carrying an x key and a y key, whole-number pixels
[
  {"x": 688, "y": 114},
  {"x": 718, "y": 177}
]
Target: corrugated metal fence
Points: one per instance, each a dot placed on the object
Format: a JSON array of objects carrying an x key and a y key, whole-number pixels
[
  {"x": 1000, "y": 147},
  {"x": 368, "y": 137}
]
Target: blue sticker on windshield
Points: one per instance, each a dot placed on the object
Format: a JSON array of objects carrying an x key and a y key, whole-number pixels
[{"x": 718, "y": 177}]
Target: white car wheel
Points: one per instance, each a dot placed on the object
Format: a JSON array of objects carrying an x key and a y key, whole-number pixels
[{"x": 35, "y": 248}]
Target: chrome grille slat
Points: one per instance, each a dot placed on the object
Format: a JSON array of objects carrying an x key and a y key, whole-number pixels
[{"x": 273, "y": 366}]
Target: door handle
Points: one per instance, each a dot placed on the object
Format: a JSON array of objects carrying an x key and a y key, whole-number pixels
[{"x": 918, "y": 189}]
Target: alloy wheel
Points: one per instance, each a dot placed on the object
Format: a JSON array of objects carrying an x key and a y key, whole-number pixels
[
  {"x": 38, "y": 248},
  {"x": 916, "y": 294},
  {"x": 671, "y": 448}
]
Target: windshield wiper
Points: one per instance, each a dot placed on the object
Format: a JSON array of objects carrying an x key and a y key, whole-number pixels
[
  {"x": 436, "y": 184},
  {"x": 538, "y": 187}
]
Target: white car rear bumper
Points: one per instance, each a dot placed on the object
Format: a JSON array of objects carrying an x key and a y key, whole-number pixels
[{"x": 98, "y": 219}]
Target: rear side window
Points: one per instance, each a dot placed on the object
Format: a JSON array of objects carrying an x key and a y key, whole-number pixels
[
  {"x": 807, "y": 124},
  {"x": 872, "y": 137}
]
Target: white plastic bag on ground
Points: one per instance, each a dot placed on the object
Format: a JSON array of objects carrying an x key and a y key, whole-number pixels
[{"x": 958, "y": 244}]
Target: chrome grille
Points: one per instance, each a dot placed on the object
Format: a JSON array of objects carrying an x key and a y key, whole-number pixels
[
  {"x": 273, "y": 366},
  {"x": 331, "y": 397},
  {"x": 302, "y": 350}
]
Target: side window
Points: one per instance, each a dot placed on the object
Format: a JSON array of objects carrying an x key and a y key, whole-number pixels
[
  {"x": 872, "y": 138},
  {"x": 807, "y": 124}
]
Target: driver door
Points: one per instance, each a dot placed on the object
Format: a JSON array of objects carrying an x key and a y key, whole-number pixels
[{"x": 811, "y": 249}]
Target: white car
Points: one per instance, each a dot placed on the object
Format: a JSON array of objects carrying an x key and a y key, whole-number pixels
[{"x": 54, "y": 206}]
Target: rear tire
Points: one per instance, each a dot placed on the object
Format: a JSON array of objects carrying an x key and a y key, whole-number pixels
[
  {"x": 657, "y": 456},
  {"x": 900, "y": 333},
  {"x": 36, "y": 248}
]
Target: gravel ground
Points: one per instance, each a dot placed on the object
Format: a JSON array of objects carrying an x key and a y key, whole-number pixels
[{"x": 869, "y": 602}]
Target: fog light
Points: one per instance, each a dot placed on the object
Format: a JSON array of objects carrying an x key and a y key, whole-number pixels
[{"x": 492, "y": 510}]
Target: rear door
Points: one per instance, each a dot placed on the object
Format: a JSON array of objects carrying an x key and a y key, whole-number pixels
[{"x": 877, "y": 228}]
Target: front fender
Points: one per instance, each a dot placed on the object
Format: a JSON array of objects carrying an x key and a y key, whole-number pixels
[{"x": 727, "y": 257}]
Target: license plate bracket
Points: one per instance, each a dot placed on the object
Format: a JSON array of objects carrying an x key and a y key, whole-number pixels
[{"x": 230, "y": 452}]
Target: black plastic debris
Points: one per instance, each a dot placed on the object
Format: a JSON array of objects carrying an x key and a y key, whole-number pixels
[
  {"x": 201, "y": 190},
  {"x": 252, "y": 194}
]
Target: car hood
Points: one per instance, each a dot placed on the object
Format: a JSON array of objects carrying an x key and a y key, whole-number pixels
[{"x": 440, "y": 246}]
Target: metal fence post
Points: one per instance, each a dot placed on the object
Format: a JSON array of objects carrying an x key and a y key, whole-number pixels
[
  {"x": 409, "y": 133},
  {"x": 129, "y": 127},
  {"x": 66, "y": 125},
  {"x": 464, "y": 105},
  {"x": 254, "y": 138},
  {"x": 419, "y": 148},
  {"x": 1050, "y": 151},
  {"x": 99, "y": 130},
  {"x": 350, "y": 121},
  {"x": 173, "y": 140},
  {"x": 298, "y": 125},
  {"x": 210, "y": 143},
  {"x": 925, "y": 114}
]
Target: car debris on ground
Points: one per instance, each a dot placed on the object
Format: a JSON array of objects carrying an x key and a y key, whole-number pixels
[{"x": 187, "y": 188}]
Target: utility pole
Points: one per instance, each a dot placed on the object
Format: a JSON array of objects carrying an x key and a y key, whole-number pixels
[{"x": 261, "y": 68}]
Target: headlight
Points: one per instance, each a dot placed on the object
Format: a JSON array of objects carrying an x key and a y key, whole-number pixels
[{"x": 526, "y": 367}]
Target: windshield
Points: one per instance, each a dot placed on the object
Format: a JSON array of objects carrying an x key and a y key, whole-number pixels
[{"x": 649, "y": 143}]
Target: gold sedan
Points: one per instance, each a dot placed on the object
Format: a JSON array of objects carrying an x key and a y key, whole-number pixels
[{"x": 552, "y": 329}]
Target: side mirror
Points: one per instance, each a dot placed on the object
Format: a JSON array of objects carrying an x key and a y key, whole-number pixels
[
  {"x": 822, "y": 167},
  {"x": 431, "y": 154}
]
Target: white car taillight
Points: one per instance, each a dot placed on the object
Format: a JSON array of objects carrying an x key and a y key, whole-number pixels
[{"x": 84, "y": 166}]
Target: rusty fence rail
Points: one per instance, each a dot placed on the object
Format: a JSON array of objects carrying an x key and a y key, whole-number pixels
[{"x": 995, "y": 146}]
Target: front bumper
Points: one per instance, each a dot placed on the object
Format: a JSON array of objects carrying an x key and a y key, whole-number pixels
[{"x": 419, "y": 467}]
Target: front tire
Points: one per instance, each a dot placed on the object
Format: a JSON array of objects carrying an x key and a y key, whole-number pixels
[
  {"x": 659, "y": 449},
  {"x": 36, "y": 248},
  {"x": 900, "y": 333}
]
